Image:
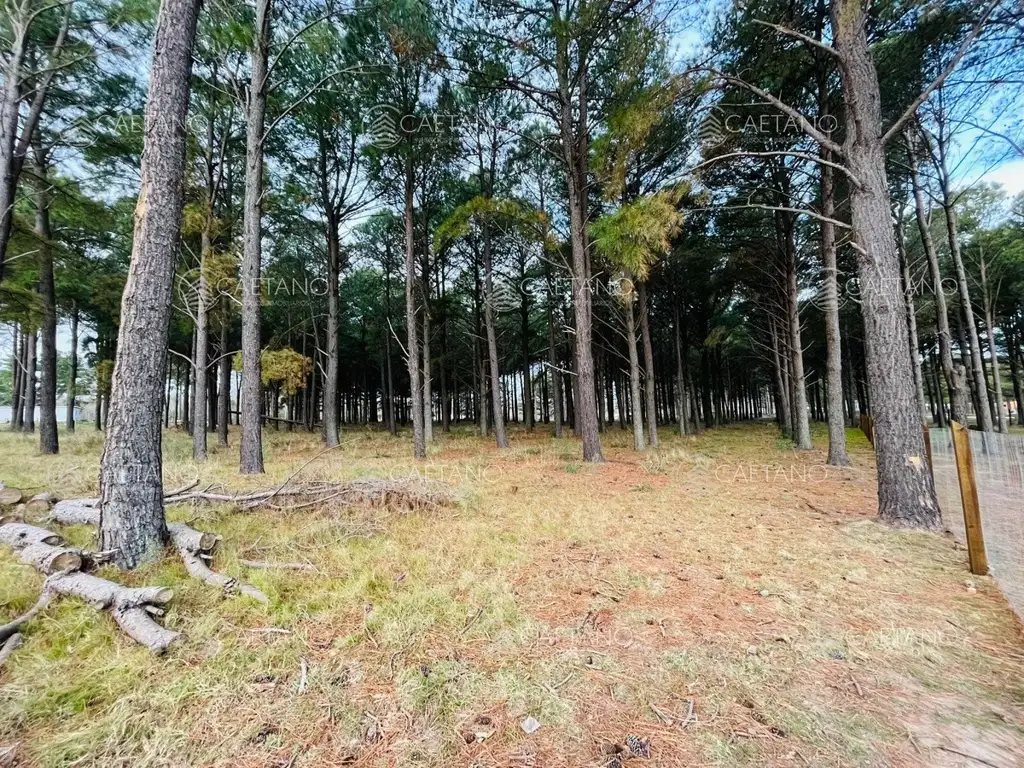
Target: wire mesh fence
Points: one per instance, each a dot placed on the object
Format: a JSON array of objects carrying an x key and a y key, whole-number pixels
[{"x": 999, "y": 478}]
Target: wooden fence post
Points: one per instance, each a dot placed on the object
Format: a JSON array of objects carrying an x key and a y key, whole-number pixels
[{"x": 969, "y": 496}]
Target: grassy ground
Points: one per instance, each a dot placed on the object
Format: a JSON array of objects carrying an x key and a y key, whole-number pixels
[{"x": 724, "y": 572}]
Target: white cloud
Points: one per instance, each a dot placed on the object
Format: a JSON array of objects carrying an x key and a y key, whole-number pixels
[{"x": 1009, "y": 174}]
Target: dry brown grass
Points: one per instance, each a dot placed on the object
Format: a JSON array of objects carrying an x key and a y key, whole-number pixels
[{"x": 724, "y": 571}]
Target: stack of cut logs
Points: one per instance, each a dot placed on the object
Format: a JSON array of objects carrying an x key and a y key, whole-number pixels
[{"x": 67, "y": 568}]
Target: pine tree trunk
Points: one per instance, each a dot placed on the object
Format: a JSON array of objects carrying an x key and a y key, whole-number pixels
[
  {"x": 333, "y": 310},
  {"x": 131, "y": 484},
  {"x": 958, "y": 398},
  {"x": 977, "y": 365},
  {"x": 202, "y": 341},
  {"x": 681, "y": 398},
  {"x": 908, "y": 292},
  {"x": 492, "y": 342},
  {"x": 798, "y": 385},
  {"x": 73, "y": 374},
  {"x": 649, "y": 383},
  {"x": 48, "y": 442},
  {"x": 837, "y": 455},
  {"x": 1012, "y": 353},
  {"x": 419, "y": 446},
  {"x": 574, "y": 135},
  {"x": 428, "y": 393},
  {"x": 28, "y": 397},
  {"x": 905, "y": 493},
  {"x": 524, "y": 323},
  {"x": 251, "y": 405},
  {"x": 634, "y": 377},
  {"x": 17, "y": 371},
  {"x": 993, "y": 350},
  {"x": 554, "y": 374},
  {"x": 224, "y": 388}
]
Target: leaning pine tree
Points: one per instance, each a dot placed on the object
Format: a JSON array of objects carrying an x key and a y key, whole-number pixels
[{"x": 131, "y": 485}]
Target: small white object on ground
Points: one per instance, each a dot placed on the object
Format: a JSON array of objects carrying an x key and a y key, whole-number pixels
[{"x": 530, "y": 725}]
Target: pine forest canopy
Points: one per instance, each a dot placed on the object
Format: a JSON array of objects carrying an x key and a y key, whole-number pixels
[{"x": 570, "y": 216}]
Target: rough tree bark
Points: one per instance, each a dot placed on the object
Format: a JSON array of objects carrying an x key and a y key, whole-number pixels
[
  {"x": 419, "y": 446},
  {"x": 957, "y": 396},
  {"x": 492, "y": 341},
  {"x": 131, "y": 485},
  {"x": 573, "y": 129},
  {"x": 48, "y": 441},
  {"x": 837, "y": 455},
  {"x": 251, "y": 405},
  {"x": 634, "y": 374},
  {"x": 984, "y": 415},
  {"x": 73, "y": 374},
  {"x": 906, "y": 495},
  {"x": 28, "y": 396},
  {"x": 645, "y": 334}
]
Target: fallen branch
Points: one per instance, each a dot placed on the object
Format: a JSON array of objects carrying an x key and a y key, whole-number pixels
[
  {"x": 194, "y": 546},
  {"x": 288, "y": 566},
  {"x": 407, "y": 494},
  {"x": 11, "y": 628},
  {"x": 13, "y": 643},
  {"x": 130, "y": 607}
]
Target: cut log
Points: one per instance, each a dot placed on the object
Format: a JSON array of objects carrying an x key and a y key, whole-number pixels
[
  {"x": 10, "y": 496},
  {"x": 49, "y": 559},
  {"x": 106, "y": 594},
  {"x": 192, "y": 544},
  {"x": 20, "y": 535},
  {"x": 77, "y": 512},
  {"x": 127, "y": 605},
  {"x": 36, "y": 507},
  {"x": 191, "y": 539}
]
